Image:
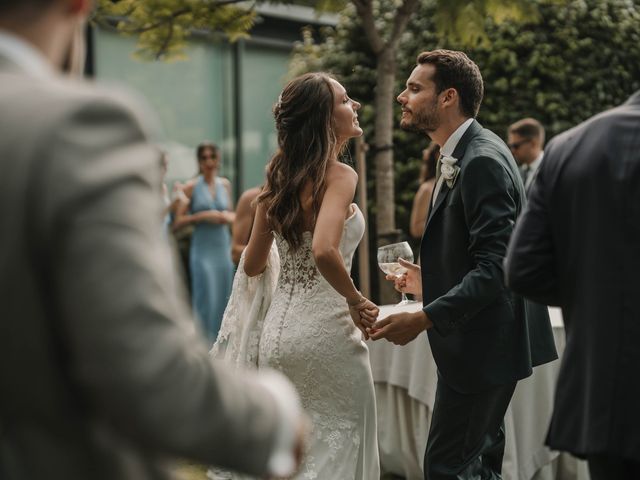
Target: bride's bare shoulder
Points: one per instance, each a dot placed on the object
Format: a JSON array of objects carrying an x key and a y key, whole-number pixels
[{"x": 340, "y": 172}]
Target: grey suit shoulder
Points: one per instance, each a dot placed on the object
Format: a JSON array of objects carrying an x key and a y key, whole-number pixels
[{"x": 101, "y": 370}]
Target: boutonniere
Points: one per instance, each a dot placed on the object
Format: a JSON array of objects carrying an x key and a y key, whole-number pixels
[{"x": 449, "y": 170}]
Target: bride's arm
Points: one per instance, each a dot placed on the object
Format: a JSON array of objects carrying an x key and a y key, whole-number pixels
[
  {"x": 257, "y": 252},
  {"x": 341, "y": 187}
]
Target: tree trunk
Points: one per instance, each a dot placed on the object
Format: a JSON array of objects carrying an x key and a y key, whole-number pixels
[
  {"x": 383, "y": 145},
  {"x": 383, "y": 142}
]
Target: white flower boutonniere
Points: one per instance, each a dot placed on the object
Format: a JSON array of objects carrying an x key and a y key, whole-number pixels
[{"x": 449, "y": 170}]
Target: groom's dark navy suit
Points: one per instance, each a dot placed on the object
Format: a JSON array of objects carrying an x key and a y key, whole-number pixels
[{"x": 485, "y": 337}]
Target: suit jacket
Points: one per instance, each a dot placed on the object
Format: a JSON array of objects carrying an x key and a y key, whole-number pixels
[
  {"x": 102, "y": 374},
  {"x": 577, "y": 245},
  {"x": 484, "y": 334}
]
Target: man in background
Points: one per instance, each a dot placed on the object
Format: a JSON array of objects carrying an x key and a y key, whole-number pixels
[
  {"x": 525, "y": 139},
  {"x": 101, "y": 371}
]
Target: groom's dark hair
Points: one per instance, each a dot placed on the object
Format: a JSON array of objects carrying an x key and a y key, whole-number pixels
[{"x": 454, "y": 69}]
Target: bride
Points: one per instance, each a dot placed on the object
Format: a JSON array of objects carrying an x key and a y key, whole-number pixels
[{"x": 313, "y": 329}]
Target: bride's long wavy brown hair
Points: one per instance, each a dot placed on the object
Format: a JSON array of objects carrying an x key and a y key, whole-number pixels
[{"x": 306, "y": 144}]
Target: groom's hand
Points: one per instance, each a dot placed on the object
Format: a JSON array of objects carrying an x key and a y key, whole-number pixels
[
  {"x": 400, "y": 328},
  {"x": 409, "y": 282}
]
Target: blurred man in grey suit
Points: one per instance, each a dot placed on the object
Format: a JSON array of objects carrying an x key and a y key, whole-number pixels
[{"x": 102, "y": 374}]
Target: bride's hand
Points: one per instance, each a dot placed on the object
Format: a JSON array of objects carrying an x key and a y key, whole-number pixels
[{"x": 363, "y": 313}]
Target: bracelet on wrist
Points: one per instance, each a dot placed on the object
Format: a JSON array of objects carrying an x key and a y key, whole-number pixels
[{"x": 357, "y": 303}]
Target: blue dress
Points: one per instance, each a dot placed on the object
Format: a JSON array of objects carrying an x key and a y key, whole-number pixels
[{"x": 210, "y": 259}]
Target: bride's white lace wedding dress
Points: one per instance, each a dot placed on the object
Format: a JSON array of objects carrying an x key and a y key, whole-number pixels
[
  {"x": 291, "y": 319},
  {"x": 309, "y": 336}
]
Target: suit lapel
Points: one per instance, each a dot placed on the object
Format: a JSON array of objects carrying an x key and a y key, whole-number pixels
[
  {"x": 458, "y": 153},
  {"x": 444, "y": 191}
]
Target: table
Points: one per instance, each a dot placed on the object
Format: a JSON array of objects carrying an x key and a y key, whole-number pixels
[{"x": 405, "y": 382}]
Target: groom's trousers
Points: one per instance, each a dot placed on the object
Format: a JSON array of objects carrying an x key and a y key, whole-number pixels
[{"x": 466, "y": 437}]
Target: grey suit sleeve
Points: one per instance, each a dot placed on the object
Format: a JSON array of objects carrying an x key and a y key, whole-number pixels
[
  {"x": 530, "y": 262},
  {"x": 490, "y": 208},
  {"x": 130, "y": 340}
]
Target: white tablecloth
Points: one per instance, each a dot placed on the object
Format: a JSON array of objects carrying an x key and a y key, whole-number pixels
[{"x": 405, "y": 380}]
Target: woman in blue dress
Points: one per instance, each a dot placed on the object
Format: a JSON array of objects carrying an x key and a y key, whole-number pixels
[{"x": 210, "y": 211}]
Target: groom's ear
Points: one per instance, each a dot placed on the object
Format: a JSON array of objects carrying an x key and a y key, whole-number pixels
[{"x": 450, "y": 98}]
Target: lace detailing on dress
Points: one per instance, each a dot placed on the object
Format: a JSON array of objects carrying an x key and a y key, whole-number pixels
[
  {"x": 309, "y": 336},
  {"x": 244, "y": 315},
  {"x": 336, "y": 436},
  {"x": 298, "y": 268}
]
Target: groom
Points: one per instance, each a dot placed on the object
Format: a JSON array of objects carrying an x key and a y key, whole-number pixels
[{"x": 483, "y": 337}]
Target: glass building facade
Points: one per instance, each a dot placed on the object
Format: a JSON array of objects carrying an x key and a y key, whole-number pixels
[{"x": 223, "y": 92}]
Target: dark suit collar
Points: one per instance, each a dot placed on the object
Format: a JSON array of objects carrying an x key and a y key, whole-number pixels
[
  {"x": 458, "y": 153},
  {"x": 634, "y": 99},
  {"x": 471, "y": 132}
]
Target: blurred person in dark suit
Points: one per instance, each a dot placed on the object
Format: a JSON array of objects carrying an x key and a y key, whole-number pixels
[
  {"x": 525, "y": 139},
  {"x": 577, "y": 246},
  {"x": 101, "y": 372}
]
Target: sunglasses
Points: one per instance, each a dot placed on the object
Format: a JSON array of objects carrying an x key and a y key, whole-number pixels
[{"x": 517, "y": 145}]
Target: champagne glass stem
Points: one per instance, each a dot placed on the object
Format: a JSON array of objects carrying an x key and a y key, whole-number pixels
[{"x": 404, "y": 299}]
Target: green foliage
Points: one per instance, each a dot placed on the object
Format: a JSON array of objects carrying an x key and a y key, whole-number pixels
[
  {"x": 463, "y": 21},
  {"x": 582, "y": 58},
  {"x": 321, "y": 5},
  {"x": 562, "y": 65},
  {"x": 164, "y": 26}
]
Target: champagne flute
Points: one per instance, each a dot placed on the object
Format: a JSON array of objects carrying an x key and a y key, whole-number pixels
[{"x": 388, "y": 261}]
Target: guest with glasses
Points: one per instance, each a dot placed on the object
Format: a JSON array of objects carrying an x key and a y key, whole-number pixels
[{"x": 525, "y": 139}]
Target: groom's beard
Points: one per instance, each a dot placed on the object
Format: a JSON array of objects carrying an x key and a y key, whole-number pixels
[{"x": 425, "y": 120}]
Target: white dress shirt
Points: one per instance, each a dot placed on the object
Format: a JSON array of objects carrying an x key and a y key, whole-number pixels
[
  {"x": 23, "y": 54},
  {"x": 532, "y": 169},
  {"x": 447, "y": 151}
]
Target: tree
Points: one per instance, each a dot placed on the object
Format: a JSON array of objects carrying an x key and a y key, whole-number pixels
[
  {"x": 566, "y": 63},
  {"x": 163, "y": 27},
  {"x": 383, "y": 25},
  {"x": 460, "y": 19}
]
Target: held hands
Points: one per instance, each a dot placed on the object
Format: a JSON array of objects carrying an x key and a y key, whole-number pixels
[
  {"x": 363, "y": 313},
  {"x": 211, "y": 216},
  {"x": 400, "y": 328},
  {"x": 409, "y": 282}
]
